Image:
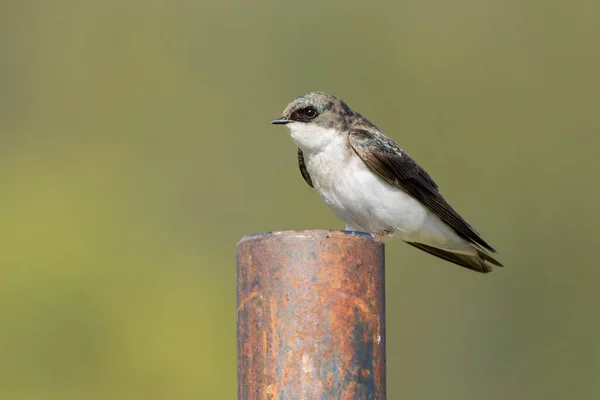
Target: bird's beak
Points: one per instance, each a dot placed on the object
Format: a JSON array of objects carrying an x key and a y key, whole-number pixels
[{"x": 281, "y": 121}]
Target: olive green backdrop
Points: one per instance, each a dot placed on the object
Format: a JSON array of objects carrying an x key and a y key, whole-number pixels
[{"x": 136, "y": 150}]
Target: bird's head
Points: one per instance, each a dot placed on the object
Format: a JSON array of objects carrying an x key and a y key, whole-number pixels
[{"x": 315, "y": 119}]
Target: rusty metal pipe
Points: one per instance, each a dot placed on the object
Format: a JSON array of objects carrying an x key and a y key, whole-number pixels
[{"x": 310, "y": 316}]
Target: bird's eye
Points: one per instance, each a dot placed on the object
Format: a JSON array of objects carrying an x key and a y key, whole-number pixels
[{"x": 310, "y": 112}]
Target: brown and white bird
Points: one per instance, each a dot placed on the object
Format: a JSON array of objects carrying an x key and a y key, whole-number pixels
[{"x": 370, "y": 183}]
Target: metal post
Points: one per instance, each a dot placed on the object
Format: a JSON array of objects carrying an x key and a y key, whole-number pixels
[{"x": 310, "y": 316}]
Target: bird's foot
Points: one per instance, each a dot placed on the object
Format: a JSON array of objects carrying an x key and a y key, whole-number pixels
[{"x": 385, "y": 233}]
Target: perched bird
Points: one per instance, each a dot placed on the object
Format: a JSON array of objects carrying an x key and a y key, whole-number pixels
[{"x": 370, "y": 183}]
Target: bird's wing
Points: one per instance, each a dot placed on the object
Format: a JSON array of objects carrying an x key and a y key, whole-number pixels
[
  {"x": 387, "y": 159},
  {"x": 303, "y": 169}
]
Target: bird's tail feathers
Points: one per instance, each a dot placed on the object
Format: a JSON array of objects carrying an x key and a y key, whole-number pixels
[{"x": 479, "y": 261}]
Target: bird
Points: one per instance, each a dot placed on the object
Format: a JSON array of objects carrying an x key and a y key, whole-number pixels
[{"x": 374, "y": 186}]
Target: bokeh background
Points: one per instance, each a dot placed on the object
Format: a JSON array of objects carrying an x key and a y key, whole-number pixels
[{"x": 136, "y": 150}]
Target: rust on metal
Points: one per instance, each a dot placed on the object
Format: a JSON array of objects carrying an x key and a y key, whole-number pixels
[{"x": 310, "y": 316}]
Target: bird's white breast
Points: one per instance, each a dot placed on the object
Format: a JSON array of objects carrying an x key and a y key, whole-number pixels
[{"x": 359, "y": 196}]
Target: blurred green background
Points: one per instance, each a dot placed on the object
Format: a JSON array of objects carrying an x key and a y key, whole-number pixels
[{"x": 136, "y": 150}]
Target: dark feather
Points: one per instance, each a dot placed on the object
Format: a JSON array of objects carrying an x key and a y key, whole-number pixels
[
  {"x": 388, "y": 160},
  {"x": 303, "y": 169},
  {"x": 474, "y": 262}
]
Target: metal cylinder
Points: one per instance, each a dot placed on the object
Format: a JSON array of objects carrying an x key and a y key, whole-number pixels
[{"x": 310, "y": 316}]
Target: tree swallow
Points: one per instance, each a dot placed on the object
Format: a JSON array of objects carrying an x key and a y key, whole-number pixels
[{"x": 370, "y": 183}]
